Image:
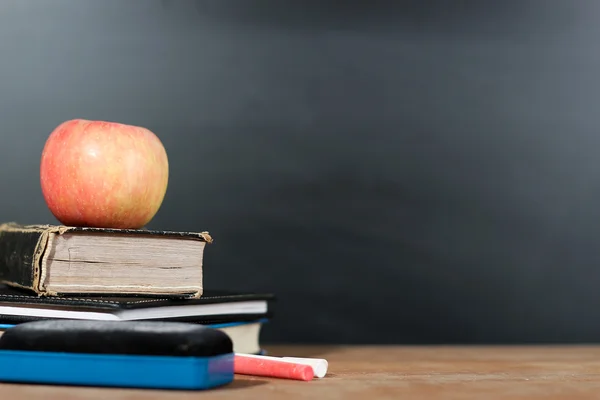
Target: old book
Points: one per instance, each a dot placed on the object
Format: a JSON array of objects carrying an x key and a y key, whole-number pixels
[{"x": 55, "y": 260}]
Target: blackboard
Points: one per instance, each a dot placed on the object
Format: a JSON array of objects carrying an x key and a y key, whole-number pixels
[{"x": 396, "y": 172}]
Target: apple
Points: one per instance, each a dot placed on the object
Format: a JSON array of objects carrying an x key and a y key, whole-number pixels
[{"x": 103, "y": 174}]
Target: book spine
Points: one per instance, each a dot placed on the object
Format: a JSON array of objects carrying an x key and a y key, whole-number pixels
[{"x": 20, "y": 255}]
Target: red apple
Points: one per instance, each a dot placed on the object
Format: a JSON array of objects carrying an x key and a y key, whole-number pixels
[{"x": 103, "y": 174}]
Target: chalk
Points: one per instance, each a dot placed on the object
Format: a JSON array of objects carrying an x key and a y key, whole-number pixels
[
  {"x": 272, "y": 367},
  {"x": 318, "y": 365}
]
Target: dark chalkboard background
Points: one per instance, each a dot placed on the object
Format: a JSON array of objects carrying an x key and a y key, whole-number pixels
[{"x": 409, "y": 172}]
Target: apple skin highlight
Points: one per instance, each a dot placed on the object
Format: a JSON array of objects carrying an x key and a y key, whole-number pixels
[{"x": 103, "y": 174}]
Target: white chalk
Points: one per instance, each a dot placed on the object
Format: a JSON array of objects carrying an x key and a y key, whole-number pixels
[{"x": 318, "y": 365}]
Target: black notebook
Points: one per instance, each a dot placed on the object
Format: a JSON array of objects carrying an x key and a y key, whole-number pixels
[
  {"x": 240, "y": 315},
  {"x": 213, "y": 307}
]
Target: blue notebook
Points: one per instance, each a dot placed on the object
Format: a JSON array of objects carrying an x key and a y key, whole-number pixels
[{"x": 158, "y": 372}]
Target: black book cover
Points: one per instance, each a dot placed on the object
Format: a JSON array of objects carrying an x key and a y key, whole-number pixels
[{"x": 26, "y": 306}]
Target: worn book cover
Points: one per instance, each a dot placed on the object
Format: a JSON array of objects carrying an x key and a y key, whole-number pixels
[{"x": 52, "y": 260}]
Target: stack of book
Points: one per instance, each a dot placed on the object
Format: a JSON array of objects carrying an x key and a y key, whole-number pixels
[{"x": 52, "y": 272}]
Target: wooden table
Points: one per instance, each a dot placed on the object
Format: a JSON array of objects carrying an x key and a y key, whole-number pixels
[{"x": 393, "y": 372}]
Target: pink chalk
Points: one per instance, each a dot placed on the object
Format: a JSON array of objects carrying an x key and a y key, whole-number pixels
[{"x": 267, "y": 367}]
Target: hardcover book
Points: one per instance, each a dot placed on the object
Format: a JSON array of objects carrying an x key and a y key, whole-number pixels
[{"x": 54, "y": 260}]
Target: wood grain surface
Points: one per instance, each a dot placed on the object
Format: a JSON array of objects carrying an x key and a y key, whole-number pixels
[{"x": 377, "y": 372}]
